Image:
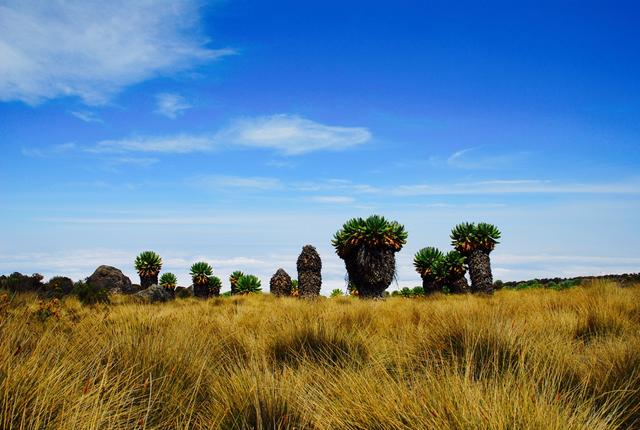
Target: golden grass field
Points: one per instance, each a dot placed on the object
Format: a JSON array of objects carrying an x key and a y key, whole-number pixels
[{"x": 535, "y": 359}]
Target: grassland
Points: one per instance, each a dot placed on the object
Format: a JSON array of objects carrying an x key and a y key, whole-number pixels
[{"x": 534, "y": 359}]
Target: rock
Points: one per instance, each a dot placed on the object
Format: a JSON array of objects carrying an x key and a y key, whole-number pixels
[
  {"x": 183, "y": 293},
  {"x": 111, "y": 279},
  {"x": 280, "y": 284},
  {"x": 136, "y": 288},
  {"x": 154, "y": 294}
]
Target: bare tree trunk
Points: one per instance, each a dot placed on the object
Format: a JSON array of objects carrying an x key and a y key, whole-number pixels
[{"x": 480, "y": 272}]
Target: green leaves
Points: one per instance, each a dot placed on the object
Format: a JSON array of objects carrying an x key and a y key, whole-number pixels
[
  {"x": 424, "y": 261},
  {"x": 214, "y": 284},
  {"x": 168, "y": 280},
  {"x": 200, "y": 273},
  {"x": 467, "y": 237},
  {"x": 148, "y": 264},
  {"x": 248, "y": 284},
  {"x": 375, "y": 232}
]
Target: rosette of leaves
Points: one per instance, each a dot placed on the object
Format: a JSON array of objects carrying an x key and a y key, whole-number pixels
[
  {"x": 453, "y": 269},
  {"x": 368, "y": 248},
  {"x": 215, "y": 284},
  {"x": 475, "y": 243},
  {"x": 148, "y": 265},
  {"x": 200, "y": 274},
  {"x": 233, "y": 280},
  {"x": 295, "y": 291},
  {"x": 169, "y": 281},
  {"x": 426, "y": 263},
  {"x": 248, "y": 284}
]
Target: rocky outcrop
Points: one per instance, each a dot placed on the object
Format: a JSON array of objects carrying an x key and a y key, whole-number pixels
[
  {"x": 154, "y": 294},
  {"x": 111, "y": 279}
]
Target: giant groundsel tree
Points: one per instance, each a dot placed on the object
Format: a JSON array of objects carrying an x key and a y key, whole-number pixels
[{"x": 368, "y": 248}]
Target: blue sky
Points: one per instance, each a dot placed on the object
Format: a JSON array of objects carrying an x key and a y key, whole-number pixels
[{"x": 239, "y": 131}]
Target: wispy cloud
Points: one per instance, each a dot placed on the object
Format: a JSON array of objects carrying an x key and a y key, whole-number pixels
[
  {"x": 171, "y": 105},
  {"x": 177, "y": 144},
  {"x": 292, "y": 135},
  {"x": 50, "y": 151},
  {"x": 86, "y": 116},
  {"x": 517, "y": 187},
  {"x": 93, "y": 49},
  {"x": 286, "y": 134},
  {"x": 333, "y": 199},
  {"x": 482, "y": 158},
  {"x": 226, "y": 182}
]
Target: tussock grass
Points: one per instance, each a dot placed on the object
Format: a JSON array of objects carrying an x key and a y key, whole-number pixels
[{"x": 536, "y": 359}]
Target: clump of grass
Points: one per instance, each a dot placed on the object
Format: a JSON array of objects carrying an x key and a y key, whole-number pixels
[
  {"x": 521, "y": 359},
  {"x": 319, "y": 345}
]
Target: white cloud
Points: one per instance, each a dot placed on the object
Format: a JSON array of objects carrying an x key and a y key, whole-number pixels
[
  {"x": 171, "y": 105},
  {"x": 479, "y": 158},
  {"x": 287, "y": 134},
  {"x": 93, "y": 49},
  {"x": 178, "y": 144},
  {"x": 517, "y": 187},
  {"x": 224, "y": 182},
  {"x": 292, "y": 135},
  {"x": 50, "y": 151},
  {"x": 86, "y": 116},
  {"x": 333, "y": 199}
]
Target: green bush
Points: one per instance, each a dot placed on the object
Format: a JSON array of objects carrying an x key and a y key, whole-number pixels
[
  {"x": 336, "y": 293},
  {"x": 90, "y": 295}
]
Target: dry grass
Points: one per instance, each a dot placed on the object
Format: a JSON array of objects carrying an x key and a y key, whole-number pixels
[{"x": 519, "y": 360}]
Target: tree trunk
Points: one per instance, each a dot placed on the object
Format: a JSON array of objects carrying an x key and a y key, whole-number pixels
[
  {"x": 459, "y": 285},
  {"x": 201, "y": 290},
  {"x": 371, "y": 270},
  {"x": 147, "y": 281},
  {"x": 429, "y": 285},
  {"x": 480, "y": 272}
]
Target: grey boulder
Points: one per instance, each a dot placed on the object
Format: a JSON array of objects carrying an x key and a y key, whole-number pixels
[
  {"x": 154, "y": 294},
  {"x": 111, "y": 279}
]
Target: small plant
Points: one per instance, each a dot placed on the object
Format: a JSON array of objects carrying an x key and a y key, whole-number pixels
[
  {"x": 352, "y": 290},
  {"x": 248, "y": 284},
  {"x": 47, "y": 309},
  {"x": 215, "y": 284},
  {"x": 148, "y": 265},
  {"x": 295, "y": 292},
  {"x": 200, "y": 273},
  {"x": 90, "y": 295},
  {"x": 337, "y": 292},
  {"x": 233, "y": 280}
]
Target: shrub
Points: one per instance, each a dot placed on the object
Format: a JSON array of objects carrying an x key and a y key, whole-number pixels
[
  {"x": 90, "y": 295},
  {"x": 336, "y": 293},
  {"x": 57, "y": 287}
]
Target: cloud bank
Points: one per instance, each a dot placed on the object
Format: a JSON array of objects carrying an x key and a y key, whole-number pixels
[{"x": 93, "y": 49}]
